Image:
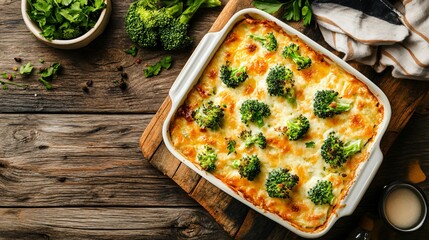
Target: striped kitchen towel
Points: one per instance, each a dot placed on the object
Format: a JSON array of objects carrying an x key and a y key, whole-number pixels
[{"x": 375, "y": 33}]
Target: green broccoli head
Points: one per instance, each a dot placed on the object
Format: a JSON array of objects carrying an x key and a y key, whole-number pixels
[
  {"x": 268, "y": 41},
  {"x": 327, "y": 104},
  {"x": 280, "y": 183},
  {"x": 336, "y": 153},
  {"x": 175, "y": 36},
  {"x": 280, "y": 83},
  {"x": 254, "y": 111},
  {"x": 321, "y": 193},
  {"x": 151, "y": 18},
  {"x": 150, "y": 22},
  {"x": 207, "y": 158},
  {"x": 297, "y": 127},
  {"x": 136, "y": 29},
  {"x": 249, "y": 167},
  {"x": 208, "y": 116},
  {"x": 232, "y": 77},
  {"x": 257, "y": 139},
  {"x": 291, "y": 52}
]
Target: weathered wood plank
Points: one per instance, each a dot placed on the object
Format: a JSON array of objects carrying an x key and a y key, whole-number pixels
[
  {"x": 166, "y": 162},
  {"x": 76, "y": 160},
  {"x": 226, "y": 210},
  {"x": 189, "y": 182},
  {"x": 152, "y": 136},
  {"x": 96, "y": 62},
  {"x": 108, "y": 223}
]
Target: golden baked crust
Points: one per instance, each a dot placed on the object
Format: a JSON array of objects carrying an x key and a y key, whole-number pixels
[{"x": 361, "y": 122}]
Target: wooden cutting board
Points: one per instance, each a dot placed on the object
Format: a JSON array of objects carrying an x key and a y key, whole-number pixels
[{"x": 237, "y": 219}]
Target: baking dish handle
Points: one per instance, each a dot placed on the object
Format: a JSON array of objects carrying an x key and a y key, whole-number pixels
[
  {"x": 363, "y": 182},
  {"x": 194, "y": 65}
]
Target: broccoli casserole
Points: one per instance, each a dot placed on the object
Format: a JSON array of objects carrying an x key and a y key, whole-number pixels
[{"x": 279, "y": 123}]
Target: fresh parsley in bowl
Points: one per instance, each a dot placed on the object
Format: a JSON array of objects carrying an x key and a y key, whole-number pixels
[{"x": 66, "y": 24}]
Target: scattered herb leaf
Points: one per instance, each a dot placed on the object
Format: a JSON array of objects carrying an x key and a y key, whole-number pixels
[
  {"x": 132, "y": 51},
  {"x": 268, "y": 6},
  {"x": 41, "y": 60},
  {"x": 310, "y": 144},
  {"x": 153, "y": 70},
  {"x": 292, "y": 10},
  {"x": 231, "y": 146},
  {"x": 26, "y": 69},
  {"x": 4, "y": 83},
  {"x": 48, "y": 74}
]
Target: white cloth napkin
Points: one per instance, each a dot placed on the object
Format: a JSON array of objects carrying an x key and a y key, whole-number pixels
[{"x": 378, "y": 43}]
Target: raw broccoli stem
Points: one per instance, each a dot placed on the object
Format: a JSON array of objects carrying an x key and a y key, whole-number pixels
[{"x": 189, "y": 12}]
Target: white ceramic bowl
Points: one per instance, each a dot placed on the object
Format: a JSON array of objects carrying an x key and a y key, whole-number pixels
[
  {"x": 190, "y": 75},
  {"x": 75, "y": 43}
]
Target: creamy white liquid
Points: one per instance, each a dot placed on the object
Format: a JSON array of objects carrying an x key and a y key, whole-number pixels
[{"x": 403, "y": 208}]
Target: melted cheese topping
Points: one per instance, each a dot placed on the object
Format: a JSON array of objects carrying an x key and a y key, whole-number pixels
[{"x": 360, "y": 122}]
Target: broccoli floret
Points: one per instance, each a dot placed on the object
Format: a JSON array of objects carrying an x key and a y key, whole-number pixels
[
  {"x": 150, "y": 22},
  {"x": 321, "y": 193},
  {"x": 151, "y": 18},
  {"x": 327, "y": 104},
  {"x": 291, "y": 52},
  {"x": 136, "y": 27},
  {"x": 280, "y": 183},
  {"x": 268, "y": 41},
  {"x": 248, "y": 166},
  {"x": 336, "y": 153},
  {"x": 257, "y": 139},
  {"x": 254, "y": 111},
  {"x": 297, "y": 127},
  {"x": 208, "y": 116},
  {"x": 175, "y": 35},
  {"x": 232, "y": 77},
  {"x": 280, "y": 83},
  {"x": 207, "y": 158},
  {"x": 231, "y": 146}
]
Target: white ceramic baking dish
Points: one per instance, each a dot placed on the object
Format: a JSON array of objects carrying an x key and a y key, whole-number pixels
[{"x": 190, "y": 76}]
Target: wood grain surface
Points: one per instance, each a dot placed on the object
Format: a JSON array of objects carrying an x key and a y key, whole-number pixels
[
  {"x": 70, "y": 161},
  {"x": 237, "y": 219}
]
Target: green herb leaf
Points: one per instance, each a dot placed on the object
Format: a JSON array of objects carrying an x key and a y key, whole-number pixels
[
  {"x": 4, "y": 75},
  {"x": 26, "y": 69},
  {"x": 269, "y": 6},
  {"x": 132, "y": 51},
  {"x": 153, "y": 70},
  {"x": 48, "y": 74},
  {"x": 231, "y": 146},
  {"x": 65, "y": 19},
  {"x": 5, "y": 84},
  {"x": 307, "y": 13},
  {"x": 293, "y": 10},
  {"x": 310, "y": 144},
  {"x": 166, "y": 62}
]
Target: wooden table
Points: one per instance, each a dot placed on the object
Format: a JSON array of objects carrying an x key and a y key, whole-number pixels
[{"x": 70, "y": 163}]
